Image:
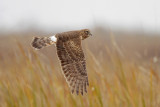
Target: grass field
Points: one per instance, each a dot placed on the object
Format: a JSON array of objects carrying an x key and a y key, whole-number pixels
[{"x": 123, "y": 71}]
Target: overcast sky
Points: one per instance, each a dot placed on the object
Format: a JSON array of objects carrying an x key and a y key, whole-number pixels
[{"x": 15, "y": 14}]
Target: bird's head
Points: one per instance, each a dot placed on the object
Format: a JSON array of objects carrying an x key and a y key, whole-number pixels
[{"x": 85, "y": 33}]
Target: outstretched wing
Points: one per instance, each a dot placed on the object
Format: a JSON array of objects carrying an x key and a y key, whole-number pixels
[{"x": 73, "y": 63}]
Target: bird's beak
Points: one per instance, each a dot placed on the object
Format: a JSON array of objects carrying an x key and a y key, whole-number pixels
[{"x": 90, "y": 34}]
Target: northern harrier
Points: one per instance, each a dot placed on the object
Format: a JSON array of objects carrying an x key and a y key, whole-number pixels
[{"x": 71, "y": 56}]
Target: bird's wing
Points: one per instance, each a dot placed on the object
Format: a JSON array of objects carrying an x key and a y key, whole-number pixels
[{"x": 73, "y": 64}]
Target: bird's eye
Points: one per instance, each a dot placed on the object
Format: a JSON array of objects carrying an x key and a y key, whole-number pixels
[{"x": 86, "y": 32}]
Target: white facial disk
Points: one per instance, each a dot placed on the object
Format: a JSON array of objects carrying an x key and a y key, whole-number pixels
[{"x": 53, "y": 38}]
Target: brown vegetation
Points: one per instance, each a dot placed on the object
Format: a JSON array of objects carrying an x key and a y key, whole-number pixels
[{"x": 123, "y": 72}]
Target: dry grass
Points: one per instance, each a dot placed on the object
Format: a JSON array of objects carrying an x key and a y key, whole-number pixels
[{"x": 118, "y": 76}]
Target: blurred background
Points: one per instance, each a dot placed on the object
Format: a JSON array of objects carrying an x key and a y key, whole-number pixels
[
  {"x": 122, "y": 57},
  {"x": 50, "y": 15}
]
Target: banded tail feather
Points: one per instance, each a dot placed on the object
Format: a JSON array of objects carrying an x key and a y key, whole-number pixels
[{"x": 41, "y": 42}]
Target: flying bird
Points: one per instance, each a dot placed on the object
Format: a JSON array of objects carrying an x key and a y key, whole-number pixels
[{"x": 71, "y": 56}]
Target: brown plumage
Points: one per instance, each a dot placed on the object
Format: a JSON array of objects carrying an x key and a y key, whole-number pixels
[
  {"x": 40, "y": 42},
  {"x": 71, "y": 56}
]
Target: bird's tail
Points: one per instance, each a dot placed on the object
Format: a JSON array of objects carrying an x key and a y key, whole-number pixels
[{"x": 41, "y": 42}]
